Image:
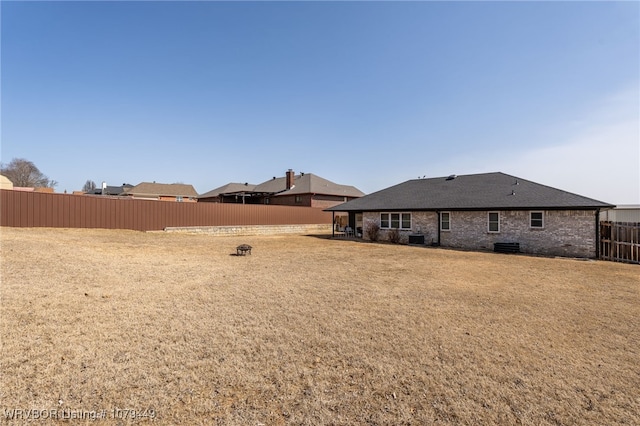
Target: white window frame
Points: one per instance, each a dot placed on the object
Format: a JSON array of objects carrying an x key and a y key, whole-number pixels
[
  {"x": 442, "y": 228},
  {"x": 400, "y": 220},
  {"x": 531, "y": 213},
  {"x": 489, "y": 222},
  {"x": 388, "y": 220}
]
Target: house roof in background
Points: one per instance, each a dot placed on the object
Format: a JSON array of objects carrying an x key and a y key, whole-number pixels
[
  {"x": 162, "y": 189},
  {"x": 111, "y": 190},
  {"x": 470, "y": 192},
  {"x": 230, "y": 188},
  {"x": 307, "y": 183},
  {"x": 5, "y": 182},
  {"x": 304, "y": 183}
]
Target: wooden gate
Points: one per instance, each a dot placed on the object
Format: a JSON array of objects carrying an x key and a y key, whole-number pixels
[{"x": 620, "y": 241}]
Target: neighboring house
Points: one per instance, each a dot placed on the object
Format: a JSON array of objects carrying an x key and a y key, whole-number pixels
[
  {"x": 230, "y": 193},
  {"x": 162, "y": 191},
  {"x": 305, "y": 189},
  {"x": 34, "y": 189},
  {"x": 5, "y": 183},
  {"x": 629, "y": 213},
  {"x": 111, "y": 190},
  {"x": 476, "y": 211}
]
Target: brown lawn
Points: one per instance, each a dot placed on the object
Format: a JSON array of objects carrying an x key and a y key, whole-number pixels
[{"x": 311, "y": 330}]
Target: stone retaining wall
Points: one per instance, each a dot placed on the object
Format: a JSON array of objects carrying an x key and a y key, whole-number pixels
[{"x": 254, "y": 229}]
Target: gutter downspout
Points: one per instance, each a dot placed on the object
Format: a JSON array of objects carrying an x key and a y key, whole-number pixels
[
  {"x": 438, "y": 242},
  {"x": 597, "y": 233}
]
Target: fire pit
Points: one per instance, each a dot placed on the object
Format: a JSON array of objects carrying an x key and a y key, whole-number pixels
[{"x": 243, "y": 249}]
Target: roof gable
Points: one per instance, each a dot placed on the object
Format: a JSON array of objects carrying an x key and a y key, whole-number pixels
[
  {"x": 230, "y": 188},
  {"x": 5, "y": 183},
  {"x": 469, "y": 192},
  {"x": 308, "y": 183},
  {"x": 274, "y": 185},
  {"x": 162, "y": 189},
  {"x": 318, "y": 185},
  {"x": 304, "y": 183}
]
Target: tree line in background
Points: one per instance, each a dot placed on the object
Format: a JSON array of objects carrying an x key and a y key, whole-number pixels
[
  {"x": 89, "y": 186},
  {"x": 24, "y": 173}
]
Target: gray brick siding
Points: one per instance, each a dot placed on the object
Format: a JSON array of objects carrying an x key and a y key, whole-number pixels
[{"x": 566, "y": 232}]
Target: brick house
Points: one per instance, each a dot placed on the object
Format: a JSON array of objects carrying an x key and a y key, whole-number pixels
[
  {"x": 110, "y": 189},
  {"x": 5, "y": 183},
  {"x": 162, "y": 191},
  {"x": 304, "y": 189},
  {"x": 477, "y": 211}
]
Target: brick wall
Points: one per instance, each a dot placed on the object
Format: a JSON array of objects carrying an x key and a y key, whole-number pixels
[
  {"x": 565, "y": 233},
  {"x": 421, "y": 222},
  {"x": 326, "y": 201},
  {"x": 308, "y": 200},
  {"x": 427, "y": 224},
  {"x": 290, "y": 200}
]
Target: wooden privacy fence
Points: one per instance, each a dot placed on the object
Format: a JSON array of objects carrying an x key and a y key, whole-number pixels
[
  {"x": 33, "y": 209},
  {"x": 620, "y": 241}
]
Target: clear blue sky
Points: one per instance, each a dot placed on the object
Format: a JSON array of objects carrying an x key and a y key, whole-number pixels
[{"x": 368, "y": 94}]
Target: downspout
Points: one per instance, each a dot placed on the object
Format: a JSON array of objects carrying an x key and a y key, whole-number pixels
[
  {"x": 438, "y": 242},
  {"x": 597, "y": 233}
]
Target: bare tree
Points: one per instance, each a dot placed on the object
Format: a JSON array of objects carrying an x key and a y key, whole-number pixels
[
  {"x": 23, "y": 172},
  {"x": 89, "y": 186}
]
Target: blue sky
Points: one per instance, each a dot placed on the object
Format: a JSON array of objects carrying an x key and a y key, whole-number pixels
[{"x": 368, "y": 94}]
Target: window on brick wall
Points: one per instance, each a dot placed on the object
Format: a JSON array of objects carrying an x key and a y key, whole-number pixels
[
  {"x": 445, "y": 221},
  {"x": 536, "y": 220},
  {"x": 493, "y": 224},
  {"x": 395, "y": 220}
]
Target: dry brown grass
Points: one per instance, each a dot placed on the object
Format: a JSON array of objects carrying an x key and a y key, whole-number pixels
[{"x": 314, "y": 331}]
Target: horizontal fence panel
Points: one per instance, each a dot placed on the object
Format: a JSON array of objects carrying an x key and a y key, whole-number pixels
[{"x": 35, "y": 209}]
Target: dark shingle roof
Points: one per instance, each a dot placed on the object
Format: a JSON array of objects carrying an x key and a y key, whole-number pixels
[
  {"x": 307, "y": 183},
  {"x": 230, "y": 188},
  {"x": 111, "y": 190},
  {"x": 470, "y": 192}
]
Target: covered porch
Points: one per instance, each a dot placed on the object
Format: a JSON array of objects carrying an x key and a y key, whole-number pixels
[{"x": 347, "y": 224}]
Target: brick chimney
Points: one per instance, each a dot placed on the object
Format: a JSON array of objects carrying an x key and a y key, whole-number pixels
[{"x": 289, "y": 179}]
